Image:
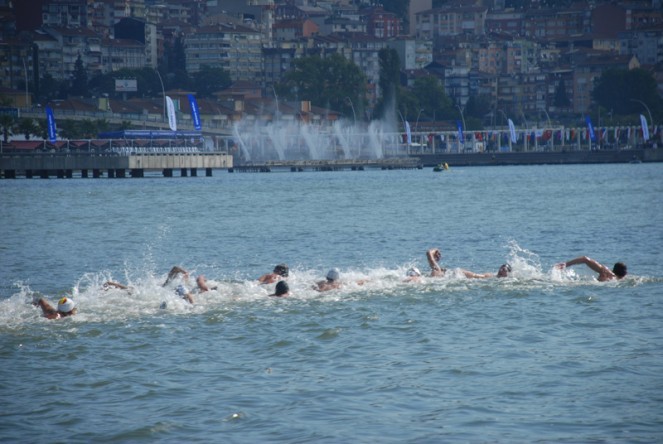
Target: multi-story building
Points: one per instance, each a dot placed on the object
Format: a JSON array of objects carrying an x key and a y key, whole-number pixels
[
  {"x": 451, "y": 21},
  {"x": 58, "y": 56},
  {"x": 235, "y": 48},
  {"x": 65, "y": 13}
]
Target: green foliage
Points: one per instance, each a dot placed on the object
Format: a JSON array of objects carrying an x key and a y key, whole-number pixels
[
  {"x": 7, "y": 123},
  {"x": 79, "y": 85},
  {"x": 327, "y": 83},
  {"x": 390, "y": 73},
  {"x": 561, "y": 99},
  {"x": 210, "y": 80},
  {"x": 620, "y": 90},
  {"x": 27, "y": 127}
]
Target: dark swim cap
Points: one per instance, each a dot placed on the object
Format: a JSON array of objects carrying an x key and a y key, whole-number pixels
[
  {"x": 620, "y": 269},
  {"x": 281, "y": 270},
  {"x": 281, "y": 288}
]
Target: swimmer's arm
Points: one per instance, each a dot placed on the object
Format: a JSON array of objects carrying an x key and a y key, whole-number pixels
[
  {"x": 47, "y": 309},
  {"x": 116, "y": 285},
  {"x": 591, "y": 263},
  {"x": 472, "y": 275},
  {"x": 430, "y": 255}
]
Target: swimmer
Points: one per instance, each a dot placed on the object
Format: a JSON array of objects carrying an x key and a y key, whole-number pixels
[
  {"x": 434, "y": 255},
  {"x": 66, "y": 307},
  {"x": 279, "y": 272},
  {"x": 112, "y": 284},
  {"x": 618, "y": 271},
  {"x": 282, "y": 289},
  {"x": 181, "y": 289},
  {"x": 413, "y": 274},
  {"x": 332, "y": 281}
]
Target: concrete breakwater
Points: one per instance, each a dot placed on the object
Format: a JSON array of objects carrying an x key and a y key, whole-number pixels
[
  {"x": 69, "y": 165},
  {"x": 542, "y": 158},
  {"x": 46, "y": 165}
]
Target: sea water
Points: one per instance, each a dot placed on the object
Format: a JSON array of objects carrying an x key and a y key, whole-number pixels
[{"x": 544, "y": 355}]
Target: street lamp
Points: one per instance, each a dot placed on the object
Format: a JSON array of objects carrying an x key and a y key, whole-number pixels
[
  {"x": 647, "y": 108},
  {"x": 163, "y": 90},
  {"x": 277, "y": 102},
  {"x": 461, "y": 116},
  {"x": 353, "y": 109},
  {"x": 25, "y": 70},
  {"x": 547, "y": 117},
  {"x": 504, "y": 114},
  {"x": 416, "y": 125}
]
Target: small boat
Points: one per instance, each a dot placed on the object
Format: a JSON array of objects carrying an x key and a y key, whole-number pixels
[{"x": 441, "y": 167}]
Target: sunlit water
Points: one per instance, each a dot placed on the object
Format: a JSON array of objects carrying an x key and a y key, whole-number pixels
[{"x": 545, "y": 355}]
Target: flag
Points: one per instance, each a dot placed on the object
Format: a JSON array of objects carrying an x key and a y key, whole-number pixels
[
  {"x": 408, "y": 132},
  {"x": 460, "y": 132},
  {"x": 172, "y": 120},
  {"x": 645, "y": 128},
  {"x": 50, "y": 120},
  {"x": 195, "y": 113},
  {"x": 512, "y": 130},
  {"x": 590, "y": 128}
]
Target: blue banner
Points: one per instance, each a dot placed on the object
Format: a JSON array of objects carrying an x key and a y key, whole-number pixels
[
  {"x": 50, "y": 121},
  {"x": 460, "y": 131},
  {"x": 592, "y": 135},
  {"x": 195, "y": 113}
]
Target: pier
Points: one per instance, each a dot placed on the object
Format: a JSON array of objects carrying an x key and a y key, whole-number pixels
[{"x": 111, "y": 165}]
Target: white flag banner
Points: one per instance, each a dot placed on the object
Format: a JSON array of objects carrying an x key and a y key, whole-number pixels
[
  {"x": 645, "y": 128},
  {"x": 512, "y": 129},
  {"x": 408, "y": 132},
  {"x": 172, "y": 120}
]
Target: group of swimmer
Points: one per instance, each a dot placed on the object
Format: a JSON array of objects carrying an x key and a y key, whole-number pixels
[{"x": 178, "y": 279}]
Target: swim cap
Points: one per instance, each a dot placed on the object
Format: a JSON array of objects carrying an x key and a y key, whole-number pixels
[
  {"x": 181, "y": 290},
  {"x": 414, "y": 271},
  {"x": 333, "y": 274},
  {"x": 281, "y": 269},
  {"x": 281, "y": 288},
  {"x": 65, "y": 305}
]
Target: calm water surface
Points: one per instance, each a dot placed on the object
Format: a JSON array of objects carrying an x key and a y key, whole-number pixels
[{"x": 543, "y": 355}]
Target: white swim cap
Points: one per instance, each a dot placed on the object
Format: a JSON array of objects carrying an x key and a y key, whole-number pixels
[
  {"x": 414, "y": 271},
  {"x": 65, "y": 305},
  {"x": 333, "y": 274}
]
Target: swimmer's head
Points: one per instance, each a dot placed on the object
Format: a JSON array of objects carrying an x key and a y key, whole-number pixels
[
  {"x": 414, "y": 271},
  {"x": 620, "y": 270},
  {"x": 333, "y": 274},
  {"x": 504, "y": 270},
  {"x": 281, "y": 288},
  {"x": 181, "y": 290},
  {"x": 437, "y": 255},
  {"x": 66, "y": 305},
  {"x": 281, "y": 270}
]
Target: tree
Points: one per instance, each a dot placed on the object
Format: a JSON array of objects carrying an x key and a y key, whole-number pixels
[
  {"x": 327, "y": 82},
  {"x": 620, "y": 90},
  {"x": 390, "y": 74},
  {"x": 7, "y": 123},
  {"x": 561, "y": 99},
  {"x": 431, "y": 97},
  {"x": 27, "y": 127},
  {"x": 209, "y": 80},
  {"x": 79, "y": 82}
]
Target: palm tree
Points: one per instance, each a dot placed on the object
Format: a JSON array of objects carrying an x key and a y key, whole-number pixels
[{"x": 7, "y": 126}]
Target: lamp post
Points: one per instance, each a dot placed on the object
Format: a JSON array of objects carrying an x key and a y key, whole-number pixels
[
  {"x": 278, "y": 112},
  {"x": 647, "y": 108},
  {"x": 25, "y": 70},
  {"x": 462, "y": 118},
  {"x": 353, "y": 109},
  {"x": 547, "y": 117},
  {"x": 416, "y": 125},
  {"x": 163, "y": 91},
  {"x": 504, "y": 114}
]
